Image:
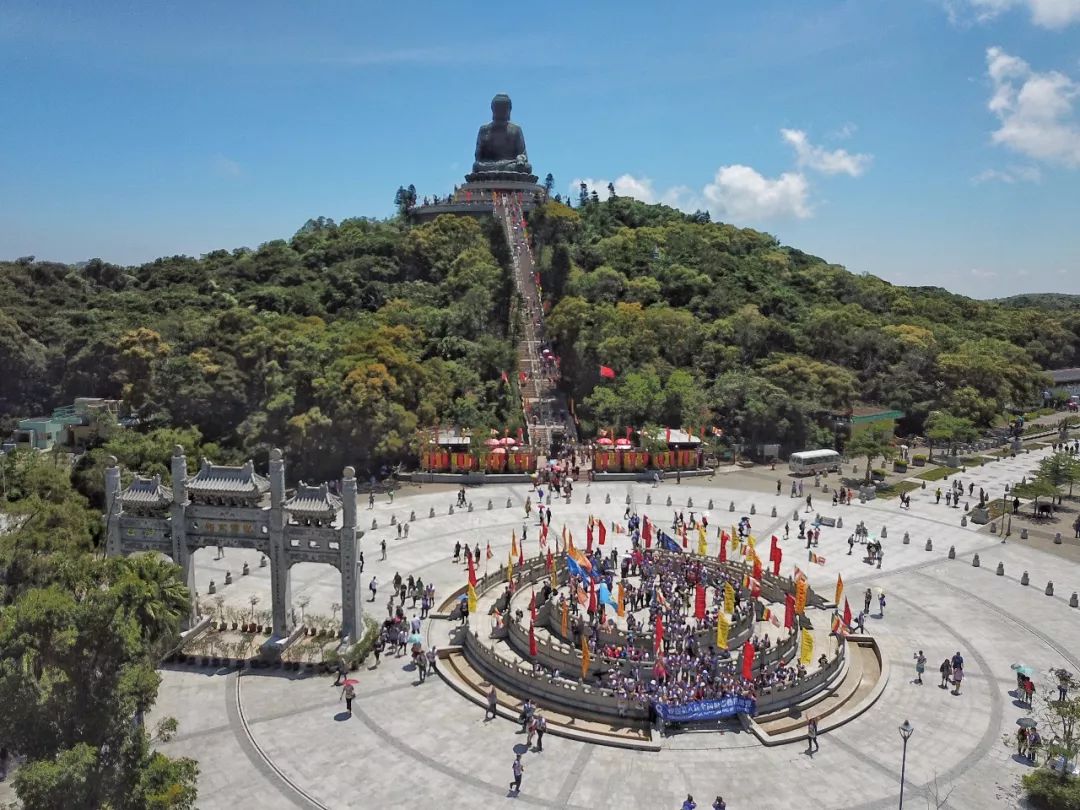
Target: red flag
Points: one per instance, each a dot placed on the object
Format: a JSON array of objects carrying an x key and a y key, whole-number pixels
[
  {"x": 773, "y": 548},
  {"x": 789, "y": 611},
  {"x": 847, "y": 613},
  {"x": 658, "y": 634},
  {"x": 699, "y": 602},
  {"x": 776, "y": 562},
  {"x": 667, "y": 435},
  {"x": 607, "y": 372},
  {"x": 592, "y": 595},
  {"x": 551, "y": 562},
  {"x": 588, "y": 539},
  {"x": 489, "y": 553},
  {"x": 472, "y": 570},
  {"x": 684, "y": 543},
  {"x": 723, "y": 546},
  {"x": 603, "y": 533},
  {"x": 757, "y": 569},
  {"x": 532, "y": 640},
  {"x": 646, "y": 531},
  {"x": 522, "y": 376},
  {"x": 521, "y": 554},
  {"x": 532, "y": 607},
  {"x": 748, "y": 661}
]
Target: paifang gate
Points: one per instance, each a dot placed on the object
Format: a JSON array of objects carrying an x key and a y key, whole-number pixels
[{"x": 228, "y": 506}]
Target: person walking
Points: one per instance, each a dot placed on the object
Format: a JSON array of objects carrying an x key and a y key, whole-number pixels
[
  {"x": 866, "y": 600},
  {"x": 518, "y": 770},
  {"x": 957, "y": 677},
  {"x": 1063, "y": 687},
  {"x": 689, "y": 804},
  {"x": 373, "y": 586},
  {"x": 342, "y": 671},
  {"x": 348, "y": 693},
  {"x": 360, "y": 562},
  {"x": 810, "y": 502},
  {"x": 492, "y": 704},
  {"x": 541, "y": 727},
  {"x": 920, "y": 667},
  {"x": 382, "y": 547},
  {"x": 779, "y": 487},
  {"x": 881, "y": 604},
  {"x": 946, "y": 673},
  {"x": 371, "y": 499},
  {"x": 812, "y": 735},
  {"x": 378, "y": 647}
]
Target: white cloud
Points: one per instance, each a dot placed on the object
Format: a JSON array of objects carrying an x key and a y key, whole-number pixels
[
  {"x": 979, "y": 272},
  {"x": 1053, "y": 14},
  {"x": 742, "y": 193},
  {"x": 835, "y": 161},
  {"x": 227, "y": 167},
  {"x": 1035, "y": 110},
  {"x": 626, "y": 185},
  {"x": 1013, "y": 174}
]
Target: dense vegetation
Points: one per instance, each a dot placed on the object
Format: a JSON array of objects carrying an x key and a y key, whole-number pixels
[
  {"x": 335, "y": 345},
  {"x": 710, "y": 324}
]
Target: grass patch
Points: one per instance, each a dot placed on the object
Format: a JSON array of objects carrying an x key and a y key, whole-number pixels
[
  {"x": 937, "y": 474},
  {"x": 895, "y": 490}
]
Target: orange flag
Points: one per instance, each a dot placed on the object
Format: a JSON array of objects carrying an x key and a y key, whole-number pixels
[
  {"x": 584, "y": 655},
  {"x": 839, "y": 589}
]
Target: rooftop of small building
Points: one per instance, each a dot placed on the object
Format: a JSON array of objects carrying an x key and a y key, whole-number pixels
[
  {"x": 147, "y": 491},
  {"x": 310, "y": 500},
  {"x": 215, "y": 479}
]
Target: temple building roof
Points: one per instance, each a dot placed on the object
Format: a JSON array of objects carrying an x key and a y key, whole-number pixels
[
  {"x": 146, "y": 492},
  {"x": 313, "y": 502},
  {"x": 233, "y": 482}
]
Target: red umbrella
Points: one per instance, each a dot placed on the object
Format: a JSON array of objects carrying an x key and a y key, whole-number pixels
[
  {"x": 492, "y": 442},
  {"x": 604, "y": 440},
  {"x": 350, "y": 682},
  {"x": 499, "y": 450},
  {"x": 509, "y": 441},
  {"x": 622, "y": 442}
]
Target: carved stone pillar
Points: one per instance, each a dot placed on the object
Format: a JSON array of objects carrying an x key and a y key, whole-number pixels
[
  {"x": 280, "y": 577},
  {"x": 113, "y": 508},
  {"x": 352, "y": 625},
  {"x": 181, "y": 552}
]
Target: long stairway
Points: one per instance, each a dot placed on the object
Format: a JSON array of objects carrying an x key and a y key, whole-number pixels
[{"x": 546, "y": 411}]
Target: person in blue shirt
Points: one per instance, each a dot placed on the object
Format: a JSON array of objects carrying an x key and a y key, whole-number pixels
[
  {"x": 719, "y": 804},
  {"x": 689, "y": 804}
]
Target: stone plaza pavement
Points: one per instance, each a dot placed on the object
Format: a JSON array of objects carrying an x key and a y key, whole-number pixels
[{"x": 277, "y": 741}]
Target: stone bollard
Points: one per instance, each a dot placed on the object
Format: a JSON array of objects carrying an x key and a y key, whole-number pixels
[
  {"x": 228, "y": 577},
  {"x": 648, "y": 500},
  {"x": 393, "y": 520},
  {"x": 588, "y": 498},
  {"x": 975, "y": 563},
  {"x": 963, "y": 520},
  {"x": 1001, "y": 569},
  {"x": 669, "y": 500},
  {"x": 412, "y": 514},
  {"x": 508, "y": 503},
  {"x": 1023, "y": 480},
  {"x": 470, "y": 506},
  {"x": 907, "y": 539},
  {"x": 924, "y": 485},
  {"x": 840, "y": 523},
  {"x": 929, "y": 544},
  {"x": 1057, "y": 539},
  {"x": 627, "y": 498},
  {"x": 607, "y": 498},
  {"x": 884, "y": 532},
  {"x": 490, "y": 505},
  {"x": 547, "y": 500},
  {"x": 952, "y": 552},
  {"x": 212, "y": 588},
  {"x": 1024, "y": 579},
  {"x": 245, "y": 570},
  {"x": 753, "y": 509},
  {"x": 794, "y": 515},
  {"x": 375, "y": 523},
  {"x": 825, "y": 488},
  {"x": 993, "y": 527},
  {"x": 451, "y": 510},
  {"x": 774, "y": 511},
  {"x": 689, "y": 502},
  {"x": 967, "y": 506},
  {"x": 263, "y": 562},
  {"x": 711, "y": 504},
  {"x": 431, "y": 514},
  {"x": 1050, "y": 588},
  {"x": 1023, "y": 534},
  {"x": 1074, "y": 600}
]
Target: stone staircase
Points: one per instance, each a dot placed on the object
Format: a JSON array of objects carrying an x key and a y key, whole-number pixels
[{"x": 542, "y": 398}]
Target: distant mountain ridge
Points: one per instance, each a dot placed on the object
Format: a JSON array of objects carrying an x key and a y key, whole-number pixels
[{"x": 1052, "y": 301}]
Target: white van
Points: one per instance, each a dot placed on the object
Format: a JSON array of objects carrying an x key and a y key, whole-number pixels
[{"x": 808, "y": 462}]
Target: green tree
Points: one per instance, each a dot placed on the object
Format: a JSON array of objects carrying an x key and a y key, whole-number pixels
[
  {"x": 943, "y": 427},
  {"x": 872, "y": 442},
  {"x": 1059, "y": 469}
]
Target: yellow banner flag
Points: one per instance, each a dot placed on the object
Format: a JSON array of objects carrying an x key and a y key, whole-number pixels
[
  {"x": 750, "y": 542},
  {"x": 806, "y": 653},
  {"x": 839, "y": 589},
  {"x": 734, "y": 538},
  {"x": 472, "y": 599},
  {"x": 622, "y": 604},
  {"x": 800, "y": 597},
  {"x": 729, "y": 598},
  {"x": 513, "y": 543},
  {"x": 564, "y": 621},
  {"x": 702, "y": 543},
  {"x": 584, "y": 655},
  {"x": 723, "y": 627},
  {"x": 509, "y": 567}
]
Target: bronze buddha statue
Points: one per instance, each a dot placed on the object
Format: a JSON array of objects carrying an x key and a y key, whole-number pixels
[{"x": 500, "y": 147}]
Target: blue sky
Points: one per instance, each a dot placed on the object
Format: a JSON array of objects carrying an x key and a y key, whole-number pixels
[{"x": 924, "y": 141}]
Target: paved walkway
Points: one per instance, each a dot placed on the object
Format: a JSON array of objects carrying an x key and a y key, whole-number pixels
[{"x": 274, "y": 741}]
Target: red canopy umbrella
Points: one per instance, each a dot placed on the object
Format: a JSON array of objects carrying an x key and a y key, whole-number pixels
[
  {"x": 622, "y": 442},
  {"x": 492, "y": 442},
  {"x": 604, "y": 440},
  {"x": 350, "y": 682},
  {"x": 508, "y": 441},
  {"x": 499, "y": 450}
]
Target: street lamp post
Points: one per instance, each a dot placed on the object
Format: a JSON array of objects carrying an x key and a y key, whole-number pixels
[{"x": 906, "y": 730}]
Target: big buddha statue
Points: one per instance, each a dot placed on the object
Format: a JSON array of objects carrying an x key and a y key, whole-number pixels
[{"x": 500, "y": 148}]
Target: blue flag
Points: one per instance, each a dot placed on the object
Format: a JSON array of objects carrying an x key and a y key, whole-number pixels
[
  {"x": 667, "y": 543},
  {"x": 574, "y": 568},
  {"x": 605, "y": 597}
]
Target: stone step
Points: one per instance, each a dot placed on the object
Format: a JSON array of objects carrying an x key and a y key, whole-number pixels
[{"x": 466, "y": 681}]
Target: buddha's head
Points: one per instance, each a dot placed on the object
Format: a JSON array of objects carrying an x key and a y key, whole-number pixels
[{"x": 500, "y": 108}]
